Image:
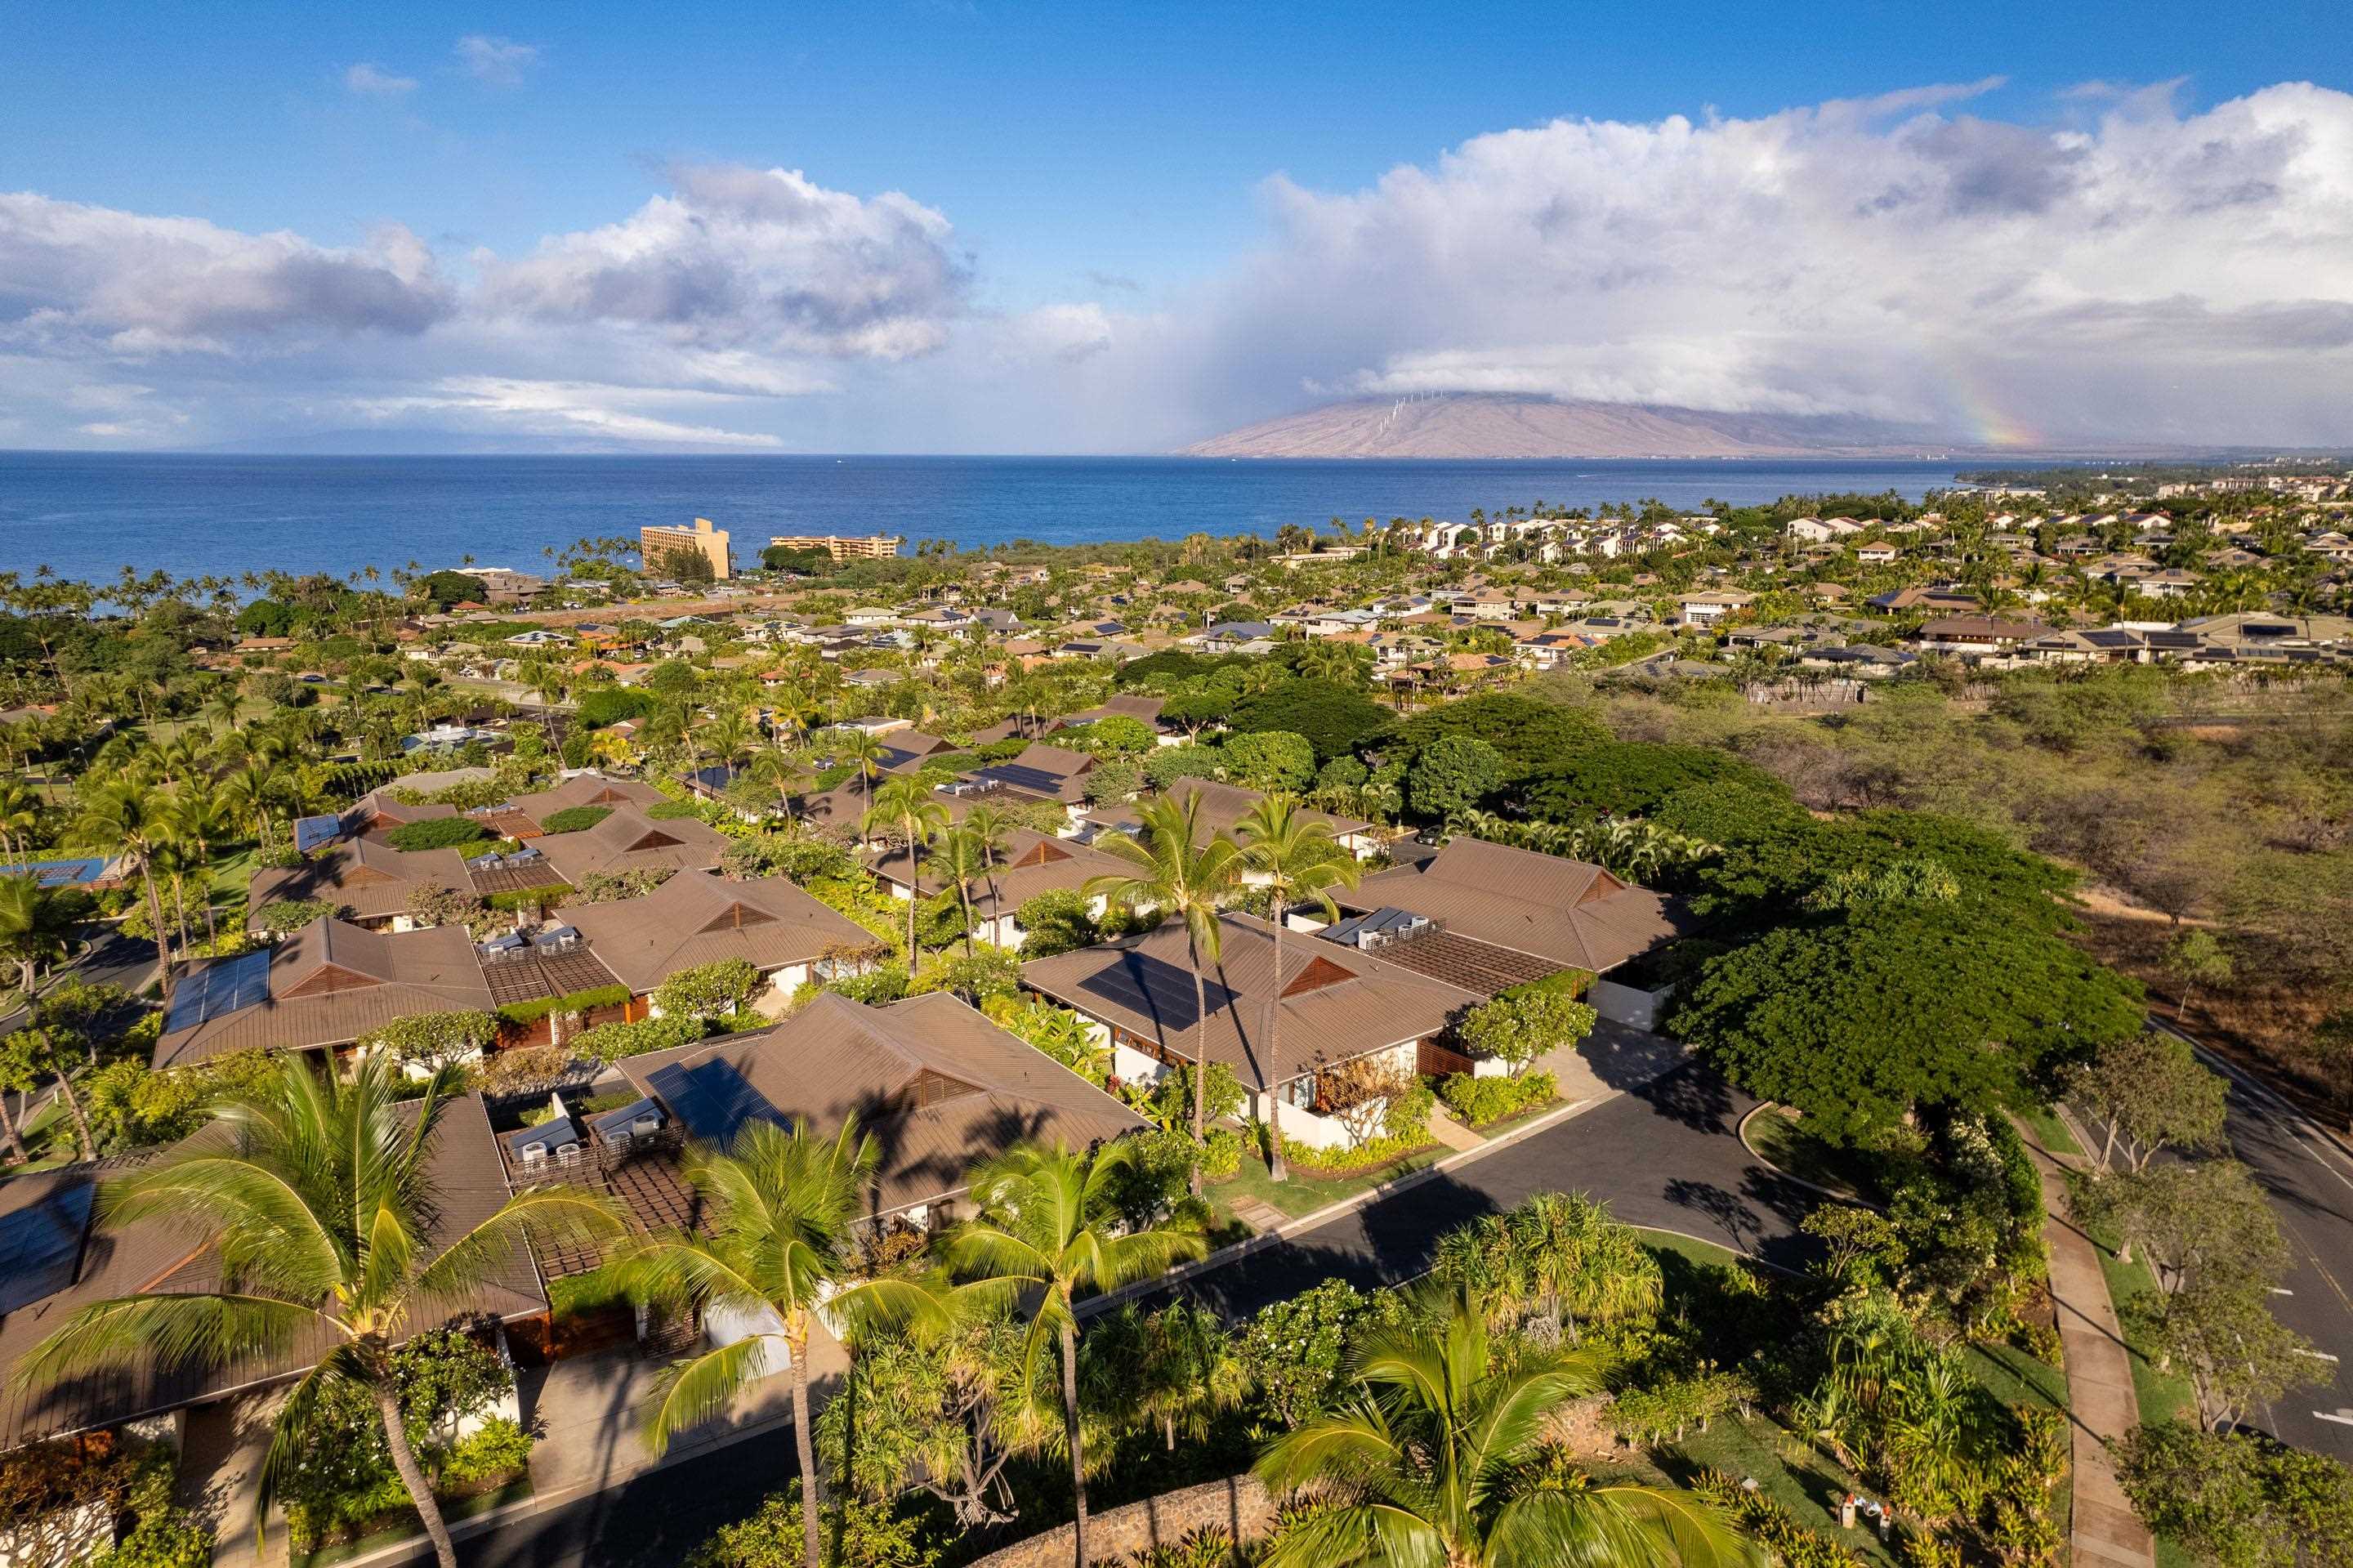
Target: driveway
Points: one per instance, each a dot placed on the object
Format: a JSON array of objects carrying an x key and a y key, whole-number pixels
[{"x": 1663, "y": 1154}]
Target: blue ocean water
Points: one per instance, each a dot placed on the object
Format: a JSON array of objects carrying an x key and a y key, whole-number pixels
[{"x": 89, "y": 515}]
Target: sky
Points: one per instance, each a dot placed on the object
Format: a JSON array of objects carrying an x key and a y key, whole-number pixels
[{"x": 966, "y": 226}]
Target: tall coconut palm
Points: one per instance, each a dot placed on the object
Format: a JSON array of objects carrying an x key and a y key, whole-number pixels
[
  {"x": 989, "y": 827},
  {"x": 1180, "y": 867},
  {"x": 784, "y": 771},
  {"x": 1047, "y": 1235},
  {"x": 777, "y": 1243},
  {"x": 319, "y": 1201},
  {"x": 1439, "y": 1464},
  {"x": 864, "y": 754},
  {"x": 125, "y": 814},
  {"x": 33, "y": 932},
  {"x": 907, "y": 805},
  {"x": 1301, "y": 862},
  {"x": 20, "y": 814},
  {"x": 961, "y": 863}
]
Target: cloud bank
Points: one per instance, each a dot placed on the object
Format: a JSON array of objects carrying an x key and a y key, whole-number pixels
[{"x": 2130, "y": 271}]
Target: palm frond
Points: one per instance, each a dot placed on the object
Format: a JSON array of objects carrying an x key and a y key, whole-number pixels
[
  {"x": 262, "y": 1221},
  {"x": 700, "y": 1389},
  {"x": 1353, "y": 1444},
  {"x": 1373, "y": 1536},
  {"x": 215, "y": 1329},
  {"x": 533, "y": 1215}
]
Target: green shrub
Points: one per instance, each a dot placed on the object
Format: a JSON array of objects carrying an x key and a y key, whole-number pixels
[
  {"x": 572, "y": 819},
  {"x": 1407, "y": 1119},
  {"x": 531, "y": 1011},
  {"x": 1058, "y": 921},
  {"x": 1371, "y": 1153},
  {"x": 1772, "y": 1526},
  {"x": 870, "y": 1535},
  {"x": 1221, "y": 1153},
  {"x": 1478, "y": 1101},
  {"x": 283, "y": 917},
  {"x": 499, "y": 1449},
  {"x": 611, "y": 1042},
  {"x": 167, "y": 1538},
  {"x": 670, "y": 810},
  {"x": 436, "y": 832}
]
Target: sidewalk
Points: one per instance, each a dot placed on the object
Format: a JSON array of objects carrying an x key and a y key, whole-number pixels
[{"x": 2100, "y": 1398}]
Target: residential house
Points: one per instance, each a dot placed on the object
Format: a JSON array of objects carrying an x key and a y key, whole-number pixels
[
  {"x": 1042, "y": 772},
  {"x": 628, "y": 839},
  {"x": 1976, "y": 636},
  {"x": 1708, "y": 609},
  {"x": 322, "y": 988},
  {"x": 1335, "y": 1005},
  {"x": 1027, "y": 865},
  {"x": 696, "y": 918}
]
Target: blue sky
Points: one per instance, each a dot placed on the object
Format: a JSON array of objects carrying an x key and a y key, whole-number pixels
[{"x": 1142, "y": 164}]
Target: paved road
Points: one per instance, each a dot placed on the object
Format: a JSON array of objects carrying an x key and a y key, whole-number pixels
[
  {"x": 2310, "y": 1181},
  {"x": 1664, "y": 1154}
]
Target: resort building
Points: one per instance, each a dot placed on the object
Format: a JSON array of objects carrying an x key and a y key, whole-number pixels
[
  {"x": 659, "y": 542},
  {"x": 842, "y": 548}
]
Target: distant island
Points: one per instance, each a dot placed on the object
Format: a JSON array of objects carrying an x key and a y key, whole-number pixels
[{"x": 1498, "y": 425}]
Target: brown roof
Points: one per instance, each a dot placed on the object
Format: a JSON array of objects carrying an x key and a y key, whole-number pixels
[
  {"x": 698, "y": 918},
  {"x": 1028, "y": 864},
  {"x": 587, "y": 790},
  {"x": 369, "y": 878},
  {"x": 909, "y": 749},
  {"x": 1573, "y": 914},
  {"x": 1138, "y": 706},
  {"x": 1065, "y": 768},
  {"x": 376, "y": 811},
  {"x": 327, "y": 984},
  {"x": 1336, "y": 1002},
  {"x": 1223, "y": 805},
  {"x": 940, "y": 1087},
  {"x": 628, "y": 839},
  {"x": 160, "y": 1257}
]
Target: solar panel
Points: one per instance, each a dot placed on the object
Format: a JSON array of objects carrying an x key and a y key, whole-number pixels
[
  {"x": 714, "y": 1100},
  {"x": 38, "y": 1245},
  {"x": 56, "y": 873},
  {"x": 1154, "y": 989},
  {"x": 1032, "y": 778},
  {"x": 309, "y": 832},
  {"x": 220, "y": 987}
]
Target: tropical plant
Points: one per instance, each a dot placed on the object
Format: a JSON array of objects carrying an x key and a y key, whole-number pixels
[
  {"x": 320, "y": 1206},
  {"x": 1300, "y": 861},
  {"x": 1441, "y": 1460},
  {"x": 775, "y": 1242},
  {"x": 1044, "y": 1238},
  {"x": 907, "y": 805},
  {"x": 1180, "y": 867}
]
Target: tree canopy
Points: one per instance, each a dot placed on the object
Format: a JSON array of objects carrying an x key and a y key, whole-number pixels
[{"x": 1858, "y": 1022}]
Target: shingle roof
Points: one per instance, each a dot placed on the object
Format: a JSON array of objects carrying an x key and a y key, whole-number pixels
[
  {"x": 329, "y": 983},
  {"x": 1564, "y": 911},
  {"x": 698, "y": 918},
  {"x": 587, "y": 790},
  {"x": 939, "y": 1086},
  {"x": 1336, "y": 1002},
  {"x": 163, "y": 1256},
  {"x": 1223, "y": 805},
  {"x": 628, "y": 839},
  {"x": 1054, "y": 772},
  {"x": 1028, "y": 863},
  {"x": 369, "y": 878}
]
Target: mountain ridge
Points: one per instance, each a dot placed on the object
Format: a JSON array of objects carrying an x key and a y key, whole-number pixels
[{"x": 1460, "y": 425}]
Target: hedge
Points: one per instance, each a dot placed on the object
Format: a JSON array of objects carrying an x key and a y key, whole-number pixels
[
  {"x": 572, "y": 819},
  {"x": 434, "y": 833},
  {"x": 1478, "y": 1101},
  {"x": 531, "y": 1011},
  {"x": 531, "y": 898}
]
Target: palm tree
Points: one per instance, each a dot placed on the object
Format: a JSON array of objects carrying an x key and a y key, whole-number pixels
[
  {"x": 783, "y": 771},
  {"x": 1179, "y": 867},
  {"x": 960, "y": 862},
  {"x": 20, "y": 814},
  {"x": 1301, "y": 861},
  {"x": 989, "y": 826},
  {"x": 1441, "y": 1465},
  {"x": 33, "y": 932},
  {"x": 864, "y": 754},
  {"x": 319, "y": 1204},
  {"x": 907, "y": 804},
  {"x": 776, "y": 1240},
  {"x": 1047, "y": 1232},
  {"x": 1173, "y": 1369},
  {"x": 125, "y": 812}
]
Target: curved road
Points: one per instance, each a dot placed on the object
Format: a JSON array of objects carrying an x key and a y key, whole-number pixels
[{"x": 1662, "y": 1154}]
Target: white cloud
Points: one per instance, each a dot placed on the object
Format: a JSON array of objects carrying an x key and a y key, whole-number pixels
[
  {"x": 500, "y": 62},
  {"x": 763, "y": 261},
  {"x": 373, "y": 81},
  {"x": 2131, "y": 271},
  {"x": 73, "y": 276}
]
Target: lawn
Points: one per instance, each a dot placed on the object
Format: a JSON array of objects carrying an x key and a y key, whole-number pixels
[
  {"x": 2161, "y": 1394},
  {"x": 2049, "y": 1130},
  {"x": 452, "y": 1510},
  {"x": 1705, "y": 1253},
  {"x": 1801, "y": 1479},
  {"x": 1780, "y": 1139},
  {"x": 1307, "y": 1191}
]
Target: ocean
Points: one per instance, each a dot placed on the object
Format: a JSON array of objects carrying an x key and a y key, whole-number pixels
[{"x": 87, "y": 516}]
